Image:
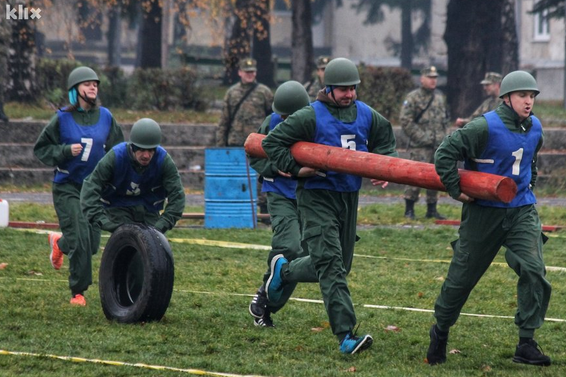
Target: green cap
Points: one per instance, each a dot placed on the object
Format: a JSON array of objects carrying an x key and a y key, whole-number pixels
[
  {"x": 248, "y": 65},
  {"x": 491, "y": 78},
  {"x": 429, "y": 71},
  {"x": 322, "y": 61}
]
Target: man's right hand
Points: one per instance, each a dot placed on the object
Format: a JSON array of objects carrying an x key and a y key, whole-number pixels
[
  {"x": 460, "y": 122},
  {"x": 307, "y": 172},
  {"x": 109, "y": 226}
]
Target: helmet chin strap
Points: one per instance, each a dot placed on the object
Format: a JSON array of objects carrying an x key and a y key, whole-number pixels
[{"x": 86, "y": 99}]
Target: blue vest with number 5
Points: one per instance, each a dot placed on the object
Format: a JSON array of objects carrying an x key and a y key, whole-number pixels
[{"x": 334, "y": 132}]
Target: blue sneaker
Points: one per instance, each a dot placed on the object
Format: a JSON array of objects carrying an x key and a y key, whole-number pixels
[
  {"x": 274, "y": 285},
  {"x": 352, "y": 344}
]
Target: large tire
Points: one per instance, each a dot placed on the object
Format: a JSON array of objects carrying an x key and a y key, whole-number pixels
[{"x": 136, "y": 275}]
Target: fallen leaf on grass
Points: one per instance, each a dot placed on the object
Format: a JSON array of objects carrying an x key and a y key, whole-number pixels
[
  {"x": 439, "y": 278},
  {"x": 351, "y": 370},
  {"x": 32, "y": 272},
  {"x": 454, "y": 351},
  {"x": 420, "y": 295},
  {"x": 392, "y": 328},
  {"x": 3, "y": 265},
  {"x": 486, "y": 368},
  {"x": 317, "y": 329}
]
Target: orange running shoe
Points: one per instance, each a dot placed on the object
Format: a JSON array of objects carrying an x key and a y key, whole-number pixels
[
  {"x": 78, "y": 300},
  {"x": 56, "y": 256}
]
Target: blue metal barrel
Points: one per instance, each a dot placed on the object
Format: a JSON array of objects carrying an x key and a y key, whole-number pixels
[{"x": 230, "y": 189}]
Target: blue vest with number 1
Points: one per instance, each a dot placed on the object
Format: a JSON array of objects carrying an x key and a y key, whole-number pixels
[{"x": 509, "y": 154}]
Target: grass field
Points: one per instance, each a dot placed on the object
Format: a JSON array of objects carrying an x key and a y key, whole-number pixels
[{"x": 207, "y": 329}]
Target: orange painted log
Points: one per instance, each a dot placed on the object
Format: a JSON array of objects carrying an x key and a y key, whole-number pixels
[{"x": 392, "y": 169}]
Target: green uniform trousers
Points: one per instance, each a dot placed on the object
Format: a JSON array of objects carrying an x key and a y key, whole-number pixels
[
  {"x": 483, "y": 231},
  {"x": 329, "y": 230},
  {"x": 80, "y": 241},
  {"x": 412, "y": 192},
  {"x": 286, "y": 240}
]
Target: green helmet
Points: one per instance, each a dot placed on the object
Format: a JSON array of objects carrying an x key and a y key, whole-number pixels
[
  {"x": 145, "y": 134},
  {"x": 290, "y": 97},
  {"x": 341, "y": 72},
  {"x": 81, "y": 74},
  {"x": 518, "y": 80}
]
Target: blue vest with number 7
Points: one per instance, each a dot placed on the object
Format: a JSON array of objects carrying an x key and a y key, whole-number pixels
[{"x": 92, "y": 138}]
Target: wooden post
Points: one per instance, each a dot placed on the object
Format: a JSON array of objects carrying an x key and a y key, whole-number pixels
[{"x": 392, "y": 169}]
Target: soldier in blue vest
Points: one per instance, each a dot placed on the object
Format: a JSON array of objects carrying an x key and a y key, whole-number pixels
[
  {"x": 281, "y": 201},
  {"x": 328, "y": 201},
  {"x": 75, "y": 139},
  {"x": 134, "y": 182},
  {"x": 504, "y": 142}
]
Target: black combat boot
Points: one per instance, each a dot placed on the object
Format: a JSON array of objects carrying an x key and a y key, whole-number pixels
[
  {"x": 431, "y": 212},
  {"x": 410, "y": 209}
]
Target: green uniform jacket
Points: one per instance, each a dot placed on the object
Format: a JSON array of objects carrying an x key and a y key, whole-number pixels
[
  {"x": 102, "y": 176},
  {"x": 48, "y": 148},
  {"x": 430, "y": 129},
  {"x": 313, "y": 87},
  {"x": 490, "y": 103},
  {"x": 233, "y": 129},
  {"x": 470, "y": 142},
  {"x": 301, "y": 126}
]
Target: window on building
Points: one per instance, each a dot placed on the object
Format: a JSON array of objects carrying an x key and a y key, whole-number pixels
[{"x": 542, "y": 26}]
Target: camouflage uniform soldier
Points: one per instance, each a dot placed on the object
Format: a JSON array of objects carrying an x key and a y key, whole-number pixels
[
  {"x": 246, "y": 104},
  {"x": 316, "y": 83},
  {"x": 491, "y": 86},
  {"x": 5, "y": 38},
  {"x": 424, "y": 118}
]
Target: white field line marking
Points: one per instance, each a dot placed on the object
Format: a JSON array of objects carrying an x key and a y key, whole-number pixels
[
  {"x": 121, "y": 363},
  {"x": 370, "y": 306},
  {"x": 239, "y": 245}
]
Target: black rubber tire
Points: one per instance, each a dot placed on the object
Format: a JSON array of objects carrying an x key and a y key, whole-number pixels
[{"x": 136, "y": 275}]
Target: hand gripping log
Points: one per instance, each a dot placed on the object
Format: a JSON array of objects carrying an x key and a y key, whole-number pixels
[{"x": 392, "y": 169}]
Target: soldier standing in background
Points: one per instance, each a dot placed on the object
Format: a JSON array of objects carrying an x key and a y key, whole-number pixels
[
  {"x": 317, "y": 81},
  {"x": 491, "y": 86},
  {"x": 246, "y": 104},
  {"x": 424, "y": 119},
  {"x": 5, "y": 38}
]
